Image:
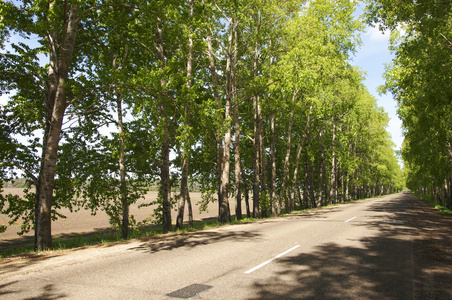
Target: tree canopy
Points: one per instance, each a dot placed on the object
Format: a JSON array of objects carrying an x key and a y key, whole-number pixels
[
  {"x": 419, "y": 78},
  {"x": 240, "y": 97}
]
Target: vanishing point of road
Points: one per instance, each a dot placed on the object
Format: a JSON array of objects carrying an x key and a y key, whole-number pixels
[{"x": 360, "y": 250}]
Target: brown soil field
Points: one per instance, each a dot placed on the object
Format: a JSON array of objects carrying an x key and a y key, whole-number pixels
[{"x": 84, "y": 222}]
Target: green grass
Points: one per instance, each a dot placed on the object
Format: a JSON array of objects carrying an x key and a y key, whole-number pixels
[
  {"x": 442, "y": 209},
  {"x": 21, "y": 250},
  {"x": 63, "y": 243}
]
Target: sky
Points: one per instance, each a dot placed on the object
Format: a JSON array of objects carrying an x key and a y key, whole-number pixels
[{"x": 371, "y": 57}]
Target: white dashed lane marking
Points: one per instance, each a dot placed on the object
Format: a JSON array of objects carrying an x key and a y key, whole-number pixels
[{"x": 270, "y": 260}]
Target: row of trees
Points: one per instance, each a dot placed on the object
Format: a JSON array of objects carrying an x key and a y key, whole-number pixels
[
  {"x": 420, "y": 80},
  {"x": 242, "y": 97}
]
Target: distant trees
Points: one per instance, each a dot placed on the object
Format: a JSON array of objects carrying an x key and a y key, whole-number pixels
[
  {"x": 242, "y": 97},
  {"x": 419, "y": 79}
]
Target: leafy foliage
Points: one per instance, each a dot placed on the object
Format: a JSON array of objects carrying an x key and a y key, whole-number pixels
[
  {"x": 419, "y": 79},
  {"x": 154, "y": 78}
]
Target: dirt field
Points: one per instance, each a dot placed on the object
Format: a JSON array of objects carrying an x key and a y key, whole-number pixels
[{"x": 83, "y": 222}]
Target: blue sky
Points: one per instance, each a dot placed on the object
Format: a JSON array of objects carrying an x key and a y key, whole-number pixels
[{"x": 371, "y": 58}]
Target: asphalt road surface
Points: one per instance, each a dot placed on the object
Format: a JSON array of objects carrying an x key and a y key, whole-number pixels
[{"x": 361, "y": 250}]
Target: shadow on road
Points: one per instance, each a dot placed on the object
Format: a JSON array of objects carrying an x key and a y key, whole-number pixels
[
  {"x": 380, "y": 268},
  {"x": 191, "y": 240},
  {"x": 334, "y": 272},
  {"x": 48, "y": 292},
  {"x": 8, "y": 266},
  {"x": 4, "y": 288},
  {"x": 315, "y": 213}
]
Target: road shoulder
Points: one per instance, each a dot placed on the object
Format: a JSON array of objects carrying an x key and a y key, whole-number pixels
[{"x": 432, "y": 241}]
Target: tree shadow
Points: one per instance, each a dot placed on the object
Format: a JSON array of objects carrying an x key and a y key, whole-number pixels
[
  {"x": 28, "y": 241},
  {"x": 334, "y": 272},
  {"x": 4, "y": 288},
  {"x": 380, "y": 267},
  {"x": 48, "y": 293},
  {"x": 194, "y": 239},
  {"x": 16, "y": 242},
  {"x": 26, "y": 260}
]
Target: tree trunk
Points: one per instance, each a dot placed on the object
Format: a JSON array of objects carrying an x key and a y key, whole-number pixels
[
  {"x": 246, "y": 192},
  {"x": 184, "y": 196},
  {"x": 300, "y": 197},
  {"x": 305, "y": 186},
  {"x": 374, "y": 189},
  {"x": 273, "y": 165},
  {"x": 47, "y": 178},
  {"x": 219, "y": 141},
  {"x": 256, "y": 165},
  {"x": 321, "y": 172},
  {"x": 165, "y": 165},
  {"x": 256, "y": 141},
  {"x": 449, "y": 152},
  {"x": 333, "y": 182},
  {"x": 220, "y": 173},
  {"x": 286, "y": 160},
  {"x": 448, "y": 195},
  {"x": 190, "y": 212},
  {"x": 165, "y": 181},
  {"x": 224, "y": 214},
  {"x": 342, "y": 187},
  {"x": 311, "y": 186},
  {"x": 122, "y": 171},
  {"x": 238, "y": 191},
  {"x": 263, "y": 154},
  {"x": 295, "y": 172},
  {"x": 347, "y": 188},
  {"x": 298, "y": 158},
  {"x": 184, "y": 192},
  {"x": 55, "y": 106}
]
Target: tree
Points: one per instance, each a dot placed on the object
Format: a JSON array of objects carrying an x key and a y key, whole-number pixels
[
  {"x": 419, "y": 80},
  {"x": 264, "y": 85},
  {"x": 56, "y": 26}
]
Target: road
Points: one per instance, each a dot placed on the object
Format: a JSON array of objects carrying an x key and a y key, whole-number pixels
[{"x": 361, "y": 250}]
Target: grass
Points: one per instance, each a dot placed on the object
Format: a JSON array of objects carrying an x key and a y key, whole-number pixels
[
  {"x": 21, "y": 250},
  {"x": 64, "y": 243},
  {"x": 444, "y": 211},
  {"x": 431, "y": 202}
]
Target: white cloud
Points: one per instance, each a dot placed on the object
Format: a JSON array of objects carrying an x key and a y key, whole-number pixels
[
  {"x": 395, "y": 129},
  {"x": 375, "y": 35},
  {"x": 4, "y": 98}
]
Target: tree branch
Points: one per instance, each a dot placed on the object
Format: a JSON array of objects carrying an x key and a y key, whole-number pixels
[
  {"x": 446, "y": 37},
  {"x": 33, "y": 178}
]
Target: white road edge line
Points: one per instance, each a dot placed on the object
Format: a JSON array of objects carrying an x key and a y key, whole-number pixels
[
  {"x": 350, "y": 219},
  {"x": 270, "y": 260}
]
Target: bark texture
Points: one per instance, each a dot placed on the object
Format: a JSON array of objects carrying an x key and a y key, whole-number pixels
[
  {"x": 59, "y": 65},
  {"x": 184, "y": 192},
  {"x": 165, "y": 164},
  {"x": 122, "y": 172}
]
